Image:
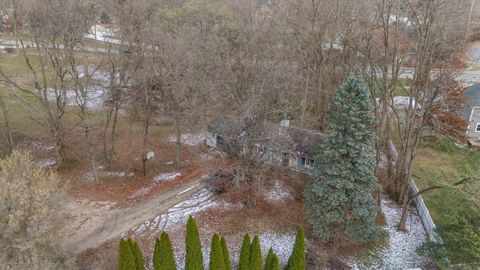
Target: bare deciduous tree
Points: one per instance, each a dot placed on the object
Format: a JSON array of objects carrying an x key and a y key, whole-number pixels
[{"x": 28, "y": 215}]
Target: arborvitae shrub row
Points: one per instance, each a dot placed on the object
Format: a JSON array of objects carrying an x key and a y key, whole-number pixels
[{"x": 131, "y": 258}]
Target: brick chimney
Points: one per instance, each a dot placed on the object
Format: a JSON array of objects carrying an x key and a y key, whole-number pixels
[{"x": 284, "y": 124}]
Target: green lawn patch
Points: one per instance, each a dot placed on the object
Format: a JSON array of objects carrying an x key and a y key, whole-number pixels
[{"x": 457, "y": 218}]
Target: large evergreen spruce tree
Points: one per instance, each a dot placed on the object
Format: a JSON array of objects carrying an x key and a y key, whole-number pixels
[
  {"x": 125, "y": 257},
  {"x": 216, "y": 254},
  {"x": 193, "y": 253},
  {"x": 137, "y": 254},
  {"x": 226, "y": 254},
  {"x": 297, "y": 260},
  {"x": 244, "y": 263},
  {"x": 163, "y": 257},
  {"x": 255, "y": 254},
  {"x": 339, "y": 198}
]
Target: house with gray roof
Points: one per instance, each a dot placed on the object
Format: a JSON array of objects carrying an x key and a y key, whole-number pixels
[
  {"x": 471, "y": 113},
  {"x": 280, "y": 145}
]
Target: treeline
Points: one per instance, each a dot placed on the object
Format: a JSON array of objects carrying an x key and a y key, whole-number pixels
[{"x": 131, "y": 257}]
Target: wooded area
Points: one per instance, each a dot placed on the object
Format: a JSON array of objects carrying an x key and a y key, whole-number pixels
[{"x": 187, "y": 62}]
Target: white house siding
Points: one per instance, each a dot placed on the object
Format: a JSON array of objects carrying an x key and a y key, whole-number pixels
[
  {"x": 293, "y": 161},
  {"x": 474, "y": 120},
  {"x": 211, "y": 139}
]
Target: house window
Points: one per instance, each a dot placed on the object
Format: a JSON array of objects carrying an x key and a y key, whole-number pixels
[
  {"x": 220, "y": 141},
  {"x": 478, "y": 128},
  {"x": 307, "y": 163}
]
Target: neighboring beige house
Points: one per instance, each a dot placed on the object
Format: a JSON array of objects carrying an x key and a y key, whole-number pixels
[{"x": 280, "y": 145}]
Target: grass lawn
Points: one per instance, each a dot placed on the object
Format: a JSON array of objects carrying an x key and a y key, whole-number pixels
[
  {"x": 16, "y": 68},
  {"x": 442, "y": 162}
]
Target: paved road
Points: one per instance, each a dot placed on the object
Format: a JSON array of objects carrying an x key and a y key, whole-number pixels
[
  {"x": 466, "y": 76},
  {"x": 121, "y": 220},
  {"x": 5, "y": 43}
]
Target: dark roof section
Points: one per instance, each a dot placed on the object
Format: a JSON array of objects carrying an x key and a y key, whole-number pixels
[
  {"x": 227, "y": 126},
  {"x": 297, "y": 140},
  {"x": 472, "y": 99}
]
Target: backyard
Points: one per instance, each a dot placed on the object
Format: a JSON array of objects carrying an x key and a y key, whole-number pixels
[{"x": 445, "y": 162}]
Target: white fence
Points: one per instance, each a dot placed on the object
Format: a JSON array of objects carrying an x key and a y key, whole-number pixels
[
  {"x": 424, "y": 215},
  {"x": 422, "y": 209}
]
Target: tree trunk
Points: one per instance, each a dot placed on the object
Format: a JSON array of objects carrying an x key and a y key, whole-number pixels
[
  {"x": 403, "y": 219},
  {"x": 8, "y": 131},
  {"x": 15, "y": 30},
  {"x": 304, "y": 99},
  {"x": 405, "y": 207},
  {"x": 379, "y": 198},
  {"x": 105, "y": 141},
  {"x": 113, "y": 134},
  {"x": 144, "y": 145},
  {"x": 92, "y": 153},
  {"x": 178, "y": 141},
  {"x": 59, "y": 153},
  {"x": 146, "y": 124}
]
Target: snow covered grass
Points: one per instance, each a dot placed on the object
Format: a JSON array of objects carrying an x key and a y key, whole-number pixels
[
  {"x": 191, "y": 139},
  {"x": 46, "y": 163},
  {"x": 400, "y": 250},
  {"x": 93, "y": 97},
  {"x": 176, "y": 217},
  {"x": 140, "y": 192},
  {"x": 107, "y": 174},
  {"x": 282, "y": 244},
  {"x": 103, "y": 34},
  {"x": 278, "y": 193},
  {"x": 166, "y": 177},
  {"x": 42, "y": 146},
  {"x": 206, "y": 157},
  {"x": 174, "y": 221}
]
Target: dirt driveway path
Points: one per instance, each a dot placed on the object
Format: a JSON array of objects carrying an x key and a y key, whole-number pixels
[{"x": 93, "y": 223}]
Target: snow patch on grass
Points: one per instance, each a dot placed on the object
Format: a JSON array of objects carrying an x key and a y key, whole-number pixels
[
  {"x": 176, "y": 216},
  {"x": 282, "y": 244},
  {"x": 191, "y": 139},
  {"x": 43, "y": 146},
  {"x": 166, "y": 177},
  {"x": 279, "y": 193},
  {"x": 46, "y": 163},
  {"x": 140, "y": 192},
  {"x": 206, "y": 157},
  {"x": 93, "y": 98},
  {"x": 90, "y": 176},
  {"x": 400, "y": 250}
]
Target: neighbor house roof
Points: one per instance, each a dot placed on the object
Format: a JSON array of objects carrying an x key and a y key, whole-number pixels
[
  {"x": 298, "y": 140},
  {"x": 472, "y": 99}
]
